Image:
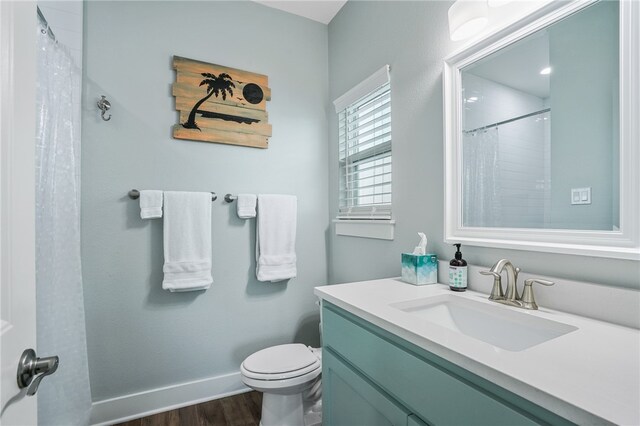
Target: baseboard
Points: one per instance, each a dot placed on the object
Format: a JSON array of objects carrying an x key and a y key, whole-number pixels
[{"x": 141, "y": 404}]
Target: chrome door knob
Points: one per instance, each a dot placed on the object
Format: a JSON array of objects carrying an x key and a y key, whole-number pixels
[{"x": 31, "y": 370}]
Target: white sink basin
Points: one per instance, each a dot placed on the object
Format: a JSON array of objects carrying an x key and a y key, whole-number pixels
[{"x": 503, "y": 327}]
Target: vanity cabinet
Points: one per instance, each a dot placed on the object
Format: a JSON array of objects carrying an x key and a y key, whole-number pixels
[
  {"x": 355, "y": 400},
  {"x": 372, "y": 377}
]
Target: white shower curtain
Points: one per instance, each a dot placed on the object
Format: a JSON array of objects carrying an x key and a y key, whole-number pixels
[
  {"x": 481, "y": 202},
  {"x": 65, "y": 397}
]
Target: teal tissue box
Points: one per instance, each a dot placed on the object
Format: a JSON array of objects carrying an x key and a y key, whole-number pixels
[{"x": 420, "y": 269}]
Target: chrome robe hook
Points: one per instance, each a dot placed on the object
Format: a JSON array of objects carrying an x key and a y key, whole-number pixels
[{"x": 104, "y": 106}]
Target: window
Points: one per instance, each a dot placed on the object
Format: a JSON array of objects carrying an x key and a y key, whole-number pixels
[{"x": 364, "y": 137}]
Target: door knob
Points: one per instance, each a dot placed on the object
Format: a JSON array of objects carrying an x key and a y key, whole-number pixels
[{"x": 31, "y": 370}]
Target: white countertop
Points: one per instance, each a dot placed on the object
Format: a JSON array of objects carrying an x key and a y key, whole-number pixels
[{"x": 589, "y": 376}]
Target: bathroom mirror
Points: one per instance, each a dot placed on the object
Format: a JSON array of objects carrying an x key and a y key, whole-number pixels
[{"x": 541, "y": 133}]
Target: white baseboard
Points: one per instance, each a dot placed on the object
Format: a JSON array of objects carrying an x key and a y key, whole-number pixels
[{"x": 141, "y": 404}]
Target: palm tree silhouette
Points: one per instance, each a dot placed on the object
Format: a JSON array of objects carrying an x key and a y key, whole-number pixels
[{"x": 216, "y": 85}]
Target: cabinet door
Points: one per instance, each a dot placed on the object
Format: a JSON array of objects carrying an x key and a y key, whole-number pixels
[
  {"x": 436, "y": 390},
  {"x": 350, "y": 399}
]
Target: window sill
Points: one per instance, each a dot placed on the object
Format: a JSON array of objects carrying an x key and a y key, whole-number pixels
[{"x": 378, "y": 229}]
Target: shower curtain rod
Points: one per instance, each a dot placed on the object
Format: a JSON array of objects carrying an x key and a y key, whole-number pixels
[
  {"x": 46, "y": 25},
  {"x": 500, "y": 123}
]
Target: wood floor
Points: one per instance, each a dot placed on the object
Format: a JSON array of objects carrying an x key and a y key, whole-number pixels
[{"x": 238, "y": 410}]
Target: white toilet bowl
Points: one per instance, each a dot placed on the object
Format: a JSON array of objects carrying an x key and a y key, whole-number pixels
[{"x": 283, "y": 373}]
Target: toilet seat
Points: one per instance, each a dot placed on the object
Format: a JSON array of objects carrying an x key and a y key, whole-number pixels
[
  {"x": 289, "y": 377},
  {"x": 281, "y": 362}
]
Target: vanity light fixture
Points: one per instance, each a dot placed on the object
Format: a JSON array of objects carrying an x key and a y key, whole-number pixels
[
  {"x": 545, "y": 71},
  {"x": 467, "y": 18}
]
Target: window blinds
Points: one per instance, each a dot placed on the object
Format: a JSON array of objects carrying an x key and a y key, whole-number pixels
[
  {"x": 365, "y": 153},
  {"x": 363, "y": 88}
]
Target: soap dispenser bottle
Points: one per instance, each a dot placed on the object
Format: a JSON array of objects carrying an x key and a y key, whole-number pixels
[{"x": 458, "y": 272}]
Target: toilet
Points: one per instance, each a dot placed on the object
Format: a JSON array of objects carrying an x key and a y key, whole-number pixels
[{"x": 289, "y": 377}]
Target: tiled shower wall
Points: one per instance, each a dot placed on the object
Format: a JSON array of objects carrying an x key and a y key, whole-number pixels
[{"x": 523, "y": 146}]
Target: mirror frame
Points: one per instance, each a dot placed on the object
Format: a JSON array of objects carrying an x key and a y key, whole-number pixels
[{"x": 621, "y": 244}]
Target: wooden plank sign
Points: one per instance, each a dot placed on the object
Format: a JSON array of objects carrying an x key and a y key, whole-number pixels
[{"x": 221, "y": 104}]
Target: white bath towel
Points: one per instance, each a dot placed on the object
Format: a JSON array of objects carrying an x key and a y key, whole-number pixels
[
  {"x": 246, "y": 204},
  {"x": 276, "y": 237},
  {"x": 150, "y": 204},
  {"x": 187, "y": 241}
]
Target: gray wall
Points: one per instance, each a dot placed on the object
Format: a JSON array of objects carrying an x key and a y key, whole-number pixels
[
  {"x": 128, "y": 49},
  {"x": 139, "y": 336},
  {"x": 413, "y": 38}
]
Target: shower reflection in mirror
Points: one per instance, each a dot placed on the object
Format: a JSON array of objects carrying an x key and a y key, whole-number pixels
[{"x": 540, "y": 118}]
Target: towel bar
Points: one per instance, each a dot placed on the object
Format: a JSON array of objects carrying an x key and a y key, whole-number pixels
[
  {"x": 230, "y": 198},
  {"x": 134, "y": 194}
]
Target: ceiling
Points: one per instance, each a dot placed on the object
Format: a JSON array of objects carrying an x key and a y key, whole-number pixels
[
  {"x": 519, "y": 65},
  {"x": 320, "y": 11}
]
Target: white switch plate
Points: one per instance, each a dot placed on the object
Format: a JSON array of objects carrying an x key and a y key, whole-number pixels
[{"x": 581, "y": 195}]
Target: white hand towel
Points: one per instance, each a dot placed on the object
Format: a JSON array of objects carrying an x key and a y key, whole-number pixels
[
  {"x": 246, "y": 204},
  {"x": 150, "y": 204},
  {"x": 187, "y": 241},
  {"x": 276, "y": 237}
]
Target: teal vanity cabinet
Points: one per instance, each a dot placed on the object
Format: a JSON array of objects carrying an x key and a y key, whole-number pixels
[
  {"x": 372, "y": 377},
  {"x": 355, "y": 400}
]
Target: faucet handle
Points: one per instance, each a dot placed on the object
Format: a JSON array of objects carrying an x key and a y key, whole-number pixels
[
  {"x": 496, "y": 291},
  {"x": 528, "y": 300},
  {"x": 539, "y": 281}
]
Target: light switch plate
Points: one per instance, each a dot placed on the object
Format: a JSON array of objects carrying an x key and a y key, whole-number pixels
[{"x": 581, "y": 195}]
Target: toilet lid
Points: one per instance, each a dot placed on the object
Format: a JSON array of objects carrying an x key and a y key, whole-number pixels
[{"x": 281, "y": 359}]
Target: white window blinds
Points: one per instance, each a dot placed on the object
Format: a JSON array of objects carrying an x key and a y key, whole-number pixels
[{"x": 365, "y": 153}]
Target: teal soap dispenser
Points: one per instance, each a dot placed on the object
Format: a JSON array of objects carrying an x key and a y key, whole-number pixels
[{"x": 458, "y": 271}]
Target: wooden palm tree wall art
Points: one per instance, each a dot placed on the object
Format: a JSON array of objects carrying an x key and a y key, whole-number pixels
[{"x": 221, "y": 104}]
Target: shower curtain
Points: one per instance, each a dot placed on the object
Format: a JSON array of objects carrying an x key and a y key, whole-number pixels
[
  {"x": 65, "y": 397},
  {"x": 481, "y": 202}
]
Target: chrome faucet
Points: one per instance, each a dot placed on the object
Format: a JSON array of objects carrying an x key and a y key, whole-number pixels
[
  {"x": 512, "y": 279},
  {"x": 511, "y": 297}
]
